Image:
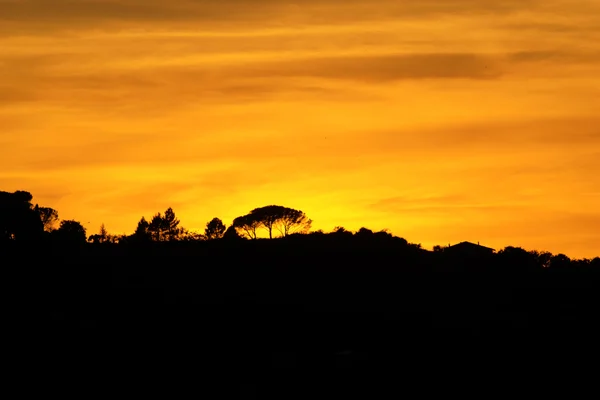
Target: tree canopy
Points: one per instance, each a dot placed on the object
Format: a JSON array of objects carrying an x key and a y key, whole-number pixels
[
  {"x": 70, "y": 231},
  {"x": 215, "y": 229},
  {"x": 20, "y": 219},
  {"x": 248, "y": 225},
  {"x": 48, "y": 216},
  {"x": 164, "y": 227},
  {"x": 281, "y": 219}
]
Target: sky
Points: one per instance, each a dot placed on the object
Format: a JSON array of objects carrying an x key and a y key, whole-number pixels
[{"x": 440, "y": 120}]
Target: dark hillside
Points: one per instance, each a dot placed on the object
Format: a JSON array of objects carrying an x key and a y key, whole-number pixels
[{"x": 291, "y": 303}]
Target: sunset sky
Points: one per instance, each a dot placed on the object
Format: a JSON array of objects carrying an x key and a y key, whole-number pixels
[{"x": 441, "y": 120}]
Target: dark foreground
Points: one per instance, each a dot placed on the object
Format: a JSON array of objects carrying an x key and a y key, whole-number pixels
[{"x": 248, "y": 320}]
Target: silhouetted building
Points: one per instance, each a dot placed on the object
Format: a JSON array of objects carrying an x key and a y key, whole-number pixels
[{"x": 470, "y": 249}]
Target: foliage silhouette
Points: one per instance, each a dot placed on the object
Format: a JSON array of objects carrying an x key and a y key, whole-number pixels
[
  {"x": 267, "y": 216},
  {"x": 49, "y": 217},
  {"x": 70, "y": 232},
  {"x": 19, "y": 219},
  {"x": 293, "y": 221},
  {"x": 170, "y": 225},
  {"x": 285, "y": 220},
  {"x": 215, "y": 229},
  {"x": 142, "y": 231},
  {"x": 248, "y": 225},
  {"x": 560, "y": 261},
  {"x": 160, "y": 228},
  {"x": 231, "y": 233},
  {"x": 190, "y": 236},
  {"x": 342, "y": 232},
  {"x": 103, "y": 237},
  {"x": 103, "y": 232},
  {"x": 364, "y": 233}
]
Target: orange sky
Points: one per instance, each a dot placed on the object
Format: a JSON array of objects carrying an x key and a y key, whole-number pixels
[{"x": 441, "y": 120}]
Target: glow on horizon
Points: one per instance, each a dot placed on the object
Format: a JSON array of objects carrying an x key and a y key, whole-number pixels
[{"x": 440, "y": 120}]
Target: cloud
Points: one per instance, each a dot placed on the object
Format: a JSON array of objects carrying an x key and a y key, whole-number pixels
[
  {"x": 556, "y": 57},
  {"x": 207, "y": 9},
  {"x": 420, "y": 204},
  {"x": 541, "y": 146},
  {"x": 82, "y": 80},
  {"x": 231, "y": 14},
  {"x": 15, "y": 94},
  {"x": 83, "y": 10},
  {"x": 207, "y": 83},
  {"x": 383, "y": 68},
  {"x": 559, "y": 28}
]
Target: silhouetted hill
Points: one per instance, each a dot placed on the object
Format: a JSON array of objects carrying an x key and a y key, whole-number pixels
[{"x": 303, "y": 302}]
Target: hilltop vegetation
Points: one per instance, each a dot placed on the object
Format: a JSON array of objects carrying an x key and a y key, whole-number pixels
[
  {"x": 303, "y": 299},
  {"x": 22, "y": 221}
]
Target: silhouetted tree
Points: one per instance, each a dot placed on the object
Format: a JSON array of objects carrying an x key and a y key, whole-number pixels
[
  {"x": 95, "y": 239},
  {"x": 215, "y": 229},
  {"x": 171, "y": 225},
  {"x": 268, "y": 216},
  {"x": 70, "y": 231},
  {"x": 364, "y": 232},
  {"x": 164, "y": 228},
  {"x": 102, "y": 237},
  {"x": 340, "y": 232},
  {"x": 231, "y": 233},
  {"x": 248, "y": 224},
  {"x": 48, "y": 216},
  {"x": 560, "y": 261},
  {"x": 18, "y": 218},
  {"x": 103, "y": 232},
  {"x": 293, "y": 221},
  {"x": 542, "y": 258},
  {"x": 517, "y": 258},
  {"x": 190, "y": 236},
  {"x": 156, "y": 227},
  {"x": 142, "y": 232},
  {"x": 581, "y": 263},
  {"x": 118, "y": 238},
  {"x": 283, "y": 219},
  {"x": 383, "y": 237}
]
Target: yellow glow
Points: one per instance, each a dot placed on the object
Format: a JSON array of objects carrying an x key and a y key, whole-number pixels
[{"x": 444, "y": 120}]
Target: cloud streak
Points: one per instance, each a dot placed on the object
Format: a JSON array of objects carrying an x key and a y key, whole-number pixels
[{"x": 68, "y": 10}]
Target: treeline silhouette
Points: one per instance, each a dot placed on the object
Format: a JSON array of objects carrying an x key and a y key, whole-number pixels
[
  {"x": 21, "y": 220},
  {"x": 225, "y": 298}
]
